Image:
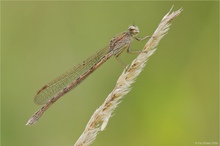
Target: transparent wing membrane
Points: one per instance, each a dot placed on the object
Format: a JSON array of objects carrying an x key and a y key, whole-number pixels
[{"x": 55, "y": 86}]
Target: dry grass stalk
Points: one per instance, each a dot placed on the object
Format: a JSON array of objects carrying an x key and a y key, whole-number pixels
[{"x": 100, "y": 118}]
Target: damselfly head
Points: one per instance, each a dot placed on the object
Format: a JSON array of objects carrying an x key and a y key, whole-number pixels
[{"x": 134, "y": 30}]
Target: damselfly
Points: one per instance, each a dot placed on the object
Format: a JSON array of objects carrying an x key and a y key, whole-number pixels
[{"x": 52, "y": 91}]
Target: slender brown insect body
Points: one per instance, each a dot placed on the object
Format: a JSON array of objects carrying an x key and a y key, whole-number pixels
[{"x": 52, "y": 91}]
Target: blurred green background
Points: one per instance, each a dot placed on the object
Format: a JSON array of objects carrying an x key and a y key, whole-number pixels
[{"x": 173, "y": 102}]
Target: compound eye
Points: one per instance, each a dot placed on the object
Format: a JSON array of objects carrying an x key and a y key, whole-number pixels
[{"x": 131, "y": 28}]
